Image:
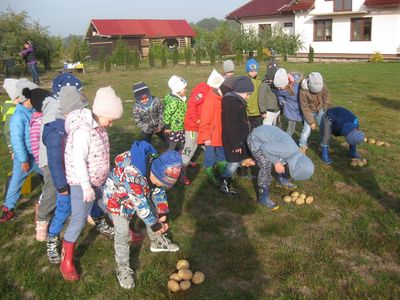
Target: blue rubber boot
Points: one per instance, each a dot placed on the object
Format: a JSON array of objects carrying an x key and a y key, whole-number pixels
[
  {"x": 325, "y": 154},
  {"x": 353, "y": 151},
  {"x": 265, "y": 200},
  {"x": 283, "y": 181}
]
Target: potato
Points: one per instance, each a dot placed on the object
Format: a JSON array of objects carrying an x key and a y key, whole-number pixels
[
  {"x": 304, "y": 196},
  {"x": 360, "y": 163},
  {"x": 354, "y": 163},
  {"x": 365, "y": 140},
  {"x": 175, "y": 277},
  {"x": 371, "y": 141},
  {"x": 287, "y": 199},
  {"x": 185, "y": 285},
  {"x": 309, "y": 199},
  {"x": 380, "y": 143},
  {"x": 185, "y": 274},
  {"x": 294, "y": 199},
  {"x": 300, "y": 201},
  {"x": 364, "y": 161},
  {"x": 182, "y": 264},
  {"x": 295, "y": 194},
  {"x": 173, "y": 286},
  {"x": 387, "y": 144},
  {"x": 198, "y": 277}
]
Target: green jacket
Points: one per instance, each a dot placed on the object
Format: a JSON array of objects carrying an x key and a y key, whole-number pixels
[
  {"x": 252, "y": 102},
  {"x": 7, "y": 110},
  {"x": 174, "y": 112}
]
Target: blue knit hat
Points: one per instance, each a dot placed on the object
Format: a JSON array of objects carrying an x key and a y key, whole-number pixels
[
  {"x": 355, "y": 137},
  {"x": 300, "y": 166},
  {"x": 167, "y": 167},
  {"x": 65, "y": 79},
  {"x": 252, "y": 65}
]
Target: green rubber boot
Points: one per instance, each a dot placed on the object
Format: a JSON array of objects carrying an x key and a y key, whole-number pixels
[
  {"x": 220, "y": 166},
  {"x": 211, "y": 176}
]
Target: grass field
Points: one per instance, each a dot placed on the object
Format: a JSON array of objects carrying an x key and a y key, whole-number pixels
[{"x": 345, "y": 245}]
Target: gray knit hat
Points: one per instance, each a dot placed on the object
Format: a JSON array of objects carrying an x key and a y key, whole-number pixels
[
  {"x": 300, "y": 166},
  {"x": 281, "y": 78},
  {"x": 71, "y": 99},
  {"x": 315, "y": 82},
  {"x": 228, "y": 66}
]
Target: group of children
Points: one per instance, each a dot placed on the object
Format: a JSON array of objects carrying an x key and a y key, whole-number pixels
[{"x": 232, "y": 118}]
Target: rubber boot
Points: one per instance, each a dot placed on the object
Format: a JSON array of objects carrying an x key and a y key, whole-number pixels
[
  {"x": 263, "y": 199},
  {"x": 325, "y": 154},
  {"x": 220, "y": 166},
  {"x": 67, "y": 266},
  {"x": 102, "y": 225},
  {"x": 283, "y": 181},
  {"x": 226, "y": 187},
  {"x": 211, "y": 176},
  {"x": 353, "y": 151}
]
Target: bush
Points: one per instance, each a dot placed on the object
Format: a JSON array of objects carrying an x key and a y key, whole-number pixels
[
  {"x": 175, "y": 56},
  {"x": 212, "y": 56},
  {"x": 119, "y": 54},
  {"x": 108, "y": 63},
  {"x": 377, "y": 57},
  {"x": 310, "y": 54},
  {"x": 188, "y": 55},
  {"x": 260, "y": 54},
  {"x": 135, "y": 59},
  {"x": 198, "y": 56},
  {"x": 164, "y": 57},
  {"x": 151, "y": 58},
  {"x": 128, "y": 58},
  {"x": 239, "y": 57},
  {"x": 101, "y": 60}
]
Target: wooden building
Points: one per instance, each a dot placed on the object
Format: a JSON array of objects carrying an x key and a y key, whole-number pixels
[{"x": 138, "y": 34}]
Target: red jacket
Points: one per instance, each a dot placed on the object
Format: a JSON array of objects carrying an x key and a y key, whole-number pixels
[
  {"x": 210, "y": 122},
  {"x": 193, "y": 112}
]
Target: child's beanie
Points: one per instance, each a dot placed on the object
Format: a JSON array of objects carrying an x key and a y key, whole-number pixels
[
  {"x": 176, "y": 84},
  {"x": 228, "y": 66},
  {"x": 315, "y": 82},
  {"x": 65, "y": 79},
  {"x": 107, "y": 104},
  {"x": 167, "y": 167},
  {"x": 139, "y": 90},
  {"x": 37, "y": 97},
  {"x": 71, "y": 99},
  {"x": 10, "y": 85},
  {"x": 215, "y": 79},
  {"x": 281, "y": 78},
  {"x": 355, "y": 137},
  {"x": 252, "y": 65}
]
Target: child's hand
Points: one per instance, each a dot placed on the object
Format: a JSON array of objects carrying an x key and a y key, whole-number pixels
[
  {"x": 167, "y": 131},
  {"x": 88, "y": 194},
  {"x": 279, "y": 168},
  {"x": 25, "y": 167},
  {"x": 164, "y": 229},
  {"x": 207, "y": 143},
  {"x": 313, "y": 126}
]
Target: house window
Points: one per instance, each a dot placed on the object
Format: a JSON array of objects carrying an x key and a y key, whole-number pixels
[
  {"x": 288, "y": 24},
  {"x": 323, "y": 30},
  {"x": 264, "y": 27},
  {"x": 361, "y": 29},
  {"x": 342, "y": 5}
]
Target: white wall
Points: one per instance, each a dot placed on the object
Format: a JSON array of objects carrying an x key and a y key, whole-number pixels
[{"x": 274, "y": 21}]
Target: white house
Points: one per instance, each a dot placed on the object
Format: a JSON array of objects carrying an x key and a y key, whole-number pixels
[{"x": 334, "y": 28}]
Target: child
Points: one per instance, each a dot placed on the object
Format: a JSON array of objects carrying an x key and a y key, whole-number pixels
[
  {"x": 267, "y": 101},
  {"x": 28, "y": 54},
  {"x": 191, "y": 124},
  {"x": 340, "y": 122},
  {"x": 271, "y": 146},
  {"x": 286, "y": 88},
  {"x": 137, "y": 185},
  {"x": 253, "y": 111},
  {"x": 229, "y": 68},
  {"x": 314, "y": 101},
  {"x": 175, "y": 111},
  {"x": 210, "y": 128},
  {"x": 87, "y": 165},
  {"x": 148, "y": 112},
  {"x": 23, "y": 163},
  {"x": 235, "y": 129},
  {"x": 8, "y": 108},
  {"x": 48, "y": 199}
]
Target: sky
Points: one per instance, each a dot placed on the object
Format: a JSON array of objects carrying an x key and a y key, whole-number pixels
[{"x": 73, "y": 16}]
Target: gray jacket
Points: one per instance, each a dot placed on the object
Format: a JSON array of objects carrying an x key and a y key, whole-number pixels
[{"x": 267, "y": 99}]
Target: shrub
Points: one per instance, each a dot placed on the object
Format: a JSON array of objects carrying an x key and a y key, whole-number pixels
[
  {"x": 260, "y": 54},
  {"x": 239, "y": 57},
  {"x": 101, "y": 60},
  {"x": 310, "y": 54},
  {"x": 151, "y": 58},
  {"x": 188, "y": 55},
  {"x": 108, "y": 63},
  {"x": 175, "y": 56},
  {"x": 198, "y": 56},
  {"x": 212, "y": 56},
  {"x": 377, "y": 57},
  {"x": 135, "y": 59},
  {"x": 164, "y": 57}
]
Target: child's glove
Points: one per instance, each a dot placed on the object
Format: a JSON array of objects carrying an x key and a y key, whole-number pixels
[{"x": 88, "y": 194}]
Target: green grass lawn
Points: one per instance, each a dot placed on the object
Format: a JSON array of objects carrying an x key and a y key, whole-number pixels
[{"x": 345, "y": 245}]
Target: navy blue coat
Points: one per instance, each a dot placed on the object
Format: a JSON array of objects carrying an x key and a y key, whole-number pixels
[{"x": 343, "y": 121}]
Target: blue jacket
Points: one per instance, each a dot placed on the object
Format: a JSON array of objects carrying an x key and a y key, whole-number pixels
[
  {"x": 290, "y": 103},
  {"x": 19, "y": 131},
  {"x": 343, "y": 121},
  {"x": 53, "y": 138}
]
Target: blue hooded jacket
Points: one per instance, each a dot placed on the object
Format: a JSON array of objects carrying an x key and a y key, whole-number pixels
[
  {"x": 19, "y": 131},
  {"x": 289, "y": 102},
  {"x": 343, "y": 121}
]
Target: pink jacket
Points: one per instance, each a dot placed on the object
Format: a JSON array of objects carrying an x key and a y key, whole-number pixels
[
  {"x": 87, "y": 150},
  {"x": 34, "y": 134}
]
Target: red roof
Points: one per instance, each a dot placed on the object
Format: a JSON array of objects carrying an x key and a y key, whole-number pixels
[
  {"x": 258, "y": 8},
  {"x": 381, "y": 2},
  {"x": 148, "y": 28}
]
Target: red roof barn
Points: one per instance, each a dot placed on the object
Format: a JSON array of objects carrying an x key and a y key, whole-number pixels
[{"x": 138, "y": 34}]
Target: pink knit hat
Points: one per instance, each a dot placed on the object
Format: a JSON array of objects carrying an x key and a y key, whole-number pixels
[{"x": 107, "y": 103}]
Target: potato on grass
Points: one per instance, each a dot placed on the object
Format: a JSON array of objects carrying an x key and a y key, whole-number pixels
[
  {"x": 354, "y": 163},
  {"x": 182, "y": 264},
  {"x": 173, "y": 286},
  {"x": 380, "y": 143},
  {"x": 304, "y": 196},
  {"x": 309, "y": 199},
  {"x": 360, "y": 163},
  {"x": 185, "y": 285},
  {"x": 364, "y": 161},
  {"x": 175, "y": 277},
  {"x": 287, "y": 199},
  {"x": 387, "y": 144},
  {"x": 185, "y": 274},
  {"x": 371, "y": 141},
  {"x": 198, "y": 277},
  {"x": 300, "y": 201},
  {"x": 294, "y": 199},
  {"x": 295, "y": 194}
]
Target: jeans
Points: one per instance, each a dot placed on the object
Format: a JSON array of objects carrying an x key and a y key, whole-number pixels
[
  {"x": 190, "y": 146},
  {"x": 230, "y": 169},
  {"x": 212, "y": 155},
  {"x": 17, "y": 180},
  {"x": 33, "y": 68},
  {"x": 325, "y": 130},
  {"x": 291, "y": 128},
  {"x": 121, "y": 240},
  {"x": 48, "y": 202},
  {"x": 307, "y": 129}
]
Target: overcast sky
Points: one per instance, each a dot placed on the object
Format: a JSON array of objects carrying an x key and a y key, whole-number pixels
[{"x": 73, "y": 16}]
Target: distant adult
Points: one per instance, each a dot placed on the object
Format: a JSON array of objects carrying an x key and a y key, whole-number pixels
[{"x": 28, "y": 54}]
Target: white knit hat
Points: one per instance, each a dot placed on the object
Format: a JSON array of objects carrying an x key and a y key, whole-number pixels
[
  {"x": 281, "y": 78},
  {"x": 107, "y": 104},
  {"x": 228, "y": 66},
  {"x": 176, "y": 84},
  {"x": 10, "y": 85},
  {"x": 215, "y": 79},
  {"x": 21, "y": 84},
  {"x": 315, "y": 82}
]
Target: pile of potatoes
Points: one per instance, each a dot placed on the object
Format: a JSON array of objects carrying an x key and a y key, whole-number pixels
[
  {"x": 358, "y": 162},
  {"x": 183, "y": 279},
  {"x": 298, "y": 198},
  {"x": 376, "y": 142}
]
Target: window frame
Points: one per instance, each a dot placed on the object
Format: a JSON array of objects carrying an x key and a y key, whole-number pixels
[
  {"x": 315, "y": 30},
  {"x": 342, "y": 7},
  {"x": 352, "y": 23}
]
